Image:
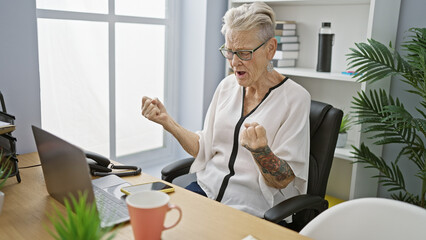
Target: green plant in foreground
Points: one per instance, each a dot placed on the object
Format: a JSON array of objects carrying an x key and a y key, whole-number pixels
[
  {"x": 346, "y": 123},
  {"x": 82, "y": 224},
  {"x": 5, "y": 169},
  {"x": 386, "y": 118}
]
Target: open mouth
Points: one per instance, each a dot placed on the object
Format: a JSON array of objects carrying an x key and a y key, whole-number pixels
[{"x": 240, "y": 73}]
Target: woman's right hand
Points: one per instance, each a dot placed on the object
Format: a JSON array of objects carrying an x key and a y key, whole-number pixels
[{"x": 154, "y": 110}]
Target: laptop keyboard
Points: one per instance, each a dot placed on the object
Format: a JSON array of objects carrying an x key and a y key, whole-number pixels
[{"x": 111, "y": 209}]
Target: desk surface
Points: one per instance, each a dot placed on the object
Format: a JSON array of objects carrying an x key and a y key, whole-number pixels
[{"x": 26, "y": 205}]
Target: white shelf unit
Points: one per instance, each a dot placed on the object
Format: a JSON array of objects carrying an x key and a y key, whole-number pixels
[{"x": 352, "y": 21}]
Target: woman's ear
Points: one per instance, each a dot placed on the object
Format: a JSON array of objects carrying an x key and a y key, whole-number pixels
[{"x": 271, "y": 47}]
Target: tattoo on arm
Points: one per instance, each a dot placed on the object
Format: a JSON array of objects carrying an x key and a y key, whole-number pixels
[{"x": 271, "y": 164}]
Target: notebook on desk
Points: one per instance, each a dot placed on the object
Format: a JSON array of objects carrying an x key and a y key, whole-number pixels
[{"x": 66, "y": 172}]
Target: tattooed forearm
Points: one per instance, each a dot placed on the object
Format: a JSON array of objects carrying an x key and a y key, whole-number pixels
[{"x": 271, "y": 165}]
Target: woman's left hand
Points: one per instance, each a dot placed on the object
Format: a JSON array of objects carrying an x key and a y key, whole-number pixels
[
  {"x": 253, "y": 137},
  {"x": 276, "y": 171}
]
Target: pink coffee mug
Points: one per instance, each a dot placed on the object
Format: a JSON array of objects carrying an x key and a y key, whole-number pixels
[{"x": 147, "y": 213}]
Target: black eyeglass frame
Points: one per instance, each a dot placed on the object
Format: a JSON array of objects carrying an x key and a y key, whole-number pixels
[{"x": 222, "y": 48}]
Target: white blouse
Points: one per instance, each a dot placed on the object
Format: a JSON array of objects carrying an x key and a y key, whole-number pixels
[{"x": 223, "y": 163}]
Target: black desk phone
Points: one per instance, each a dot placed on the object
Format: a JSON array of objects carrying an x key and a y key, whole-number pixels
[{"x": 102, "y": 166}]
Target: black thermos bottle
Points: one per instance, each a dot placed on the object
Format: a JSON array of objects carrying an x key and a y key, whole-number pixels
[{"x": 325, "y": 44}]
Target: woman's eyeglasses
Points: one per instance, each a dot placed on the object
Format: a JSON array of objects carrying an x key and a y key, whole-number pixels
[{"x": 244, "y": 55}]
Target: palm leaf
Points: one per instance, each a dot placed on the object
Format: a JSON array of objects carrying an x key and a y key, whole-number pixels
[
  {"x": 406, "y": 197},
  {"x": 416, "y": 48},
  {"x": 369, "y": 109},
  {"x": 386, "y": 117},
  {"x": 420, "y": 125},
  {"x": 389, "y": 176},
  {"x": 373, "y": 61}
]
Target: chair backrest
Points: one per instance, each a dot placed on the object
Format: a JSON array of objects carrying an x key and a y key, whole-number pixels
[
  {"x": 324, "y": 122},
  {"x": 7, "y": 141},
  {"x": 369, "y": 218},
  {"x": 324, "y": 127},
  {"x": 2, "y": 105}
]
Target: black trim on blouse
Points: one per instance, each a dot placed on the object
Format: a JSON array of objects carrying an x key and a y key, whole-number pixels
[{"x": 234, "y": 152}]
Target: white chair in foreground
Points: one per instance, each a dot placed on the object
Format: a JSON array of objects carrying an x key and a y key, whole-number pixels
[{"x": 369, "y": 218}]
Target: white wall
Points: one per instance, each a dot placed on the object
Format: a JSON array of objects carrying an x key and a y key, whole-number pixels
[
  {"x": 202, "y": 66},
  {"x": 19, "y": 75},
  {"x": 214, "y": 66},
  {"x": 192, "y": 54}
]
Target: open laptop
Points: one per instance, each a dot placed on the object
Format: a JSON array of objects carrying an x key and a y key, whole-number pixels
[{"x": 66, "y": 172}]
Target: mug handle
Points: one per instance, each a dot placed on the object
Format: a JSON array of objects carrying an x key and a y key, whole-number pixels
[{"x": 172, "y": 206}]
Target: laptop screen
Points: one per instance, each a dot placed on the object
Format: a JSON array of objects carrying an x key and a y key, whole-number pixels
[{"x": 64, "y": 166}]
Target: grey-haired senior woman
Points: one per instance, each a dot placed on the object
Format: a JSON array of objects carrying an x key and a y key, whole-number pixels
[{"x": 253, "y": 151}]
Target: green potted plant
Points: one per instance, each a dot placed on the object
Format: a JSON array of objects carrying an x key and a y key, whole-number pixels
[
  {"x": 5, "y": 171},
  {"x": 345, "y": 125},
  {"x": 386, "y": 119},
  {"x": 81, "y": 221}
]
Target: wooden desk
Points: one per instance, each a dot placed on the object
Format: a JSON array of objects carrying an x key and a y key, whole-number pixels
[{"x": 26, "y": 205}]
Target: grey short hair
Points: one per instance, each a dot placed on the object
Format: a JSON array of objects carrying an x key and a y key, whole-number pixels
[{"x": 250, "y": 16}]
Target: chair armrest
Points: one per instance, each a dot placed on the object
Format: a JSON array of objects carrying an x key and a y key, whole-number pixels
[
  {"x": 8, "y": 137},
  {"x": 294, "y": 205},
  {"x": 5, "y": 117},
  {"x": 176, "y": 169}
]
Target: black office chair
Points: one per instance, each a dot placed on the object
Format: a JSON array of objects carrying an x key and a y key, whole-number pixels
[
  {"x": 324, "y": 128},
  {"x": 8, "y": 141}
]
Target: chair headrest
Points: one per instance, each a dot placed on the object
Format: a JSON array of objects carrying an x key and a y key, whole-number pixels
[{"x": 317, "y": 113}]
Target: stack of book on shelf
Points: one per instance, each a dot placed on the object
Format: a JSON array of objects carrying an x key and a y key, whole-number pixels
[{"x": 288, "y": 44}]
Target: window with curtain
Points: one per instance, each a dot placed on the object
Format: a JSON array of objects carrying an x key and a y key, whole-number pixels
[{"x": 97, "y": 59}]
